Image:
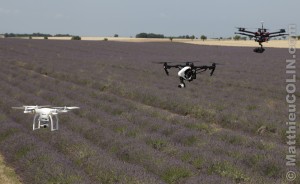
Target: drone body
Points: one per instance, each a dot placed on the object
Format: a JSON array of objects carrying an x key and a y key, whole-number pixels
[
  {"x": 189, "y": 71},
  {"x": 260, "y": 36},
  {"x": 43, "y": 115}
]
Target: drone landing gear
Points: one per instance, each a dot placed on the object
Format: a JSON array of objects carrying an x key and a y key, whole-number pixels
[
  {"x": 182, "y": 84},
  {"x": 37, "y": 123},
  {"x": 259, "y": 49}
]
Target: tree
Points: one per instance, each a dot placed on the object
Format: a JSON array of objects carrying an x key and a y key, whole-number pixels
[
  {"x": 203, "y": 37},
  {"x": 149, "y": 35},
  {"x": 116, "y": 35},
  {"x": 298, "y": 37},
  {"x": 171, "y": 39},
  {"x": 76, "y": 38},
  {"x": 192, "y": 37},
  {"x": 237, "y": 37},
  {"x": 142, "y": 35}
]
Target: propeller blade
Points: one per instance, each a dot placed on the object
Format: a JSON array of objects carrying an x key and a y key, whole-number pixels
[
  {"x": 44, "y": 105},
  {"x": 65, "y": 108},
  {"x": 162, "y": 62},
  {"x": 36, "y": 106},
  {"x": 18, "y": 108},
  {"x": 217, "y": 63},
  {"x": 70, "y": 108}
]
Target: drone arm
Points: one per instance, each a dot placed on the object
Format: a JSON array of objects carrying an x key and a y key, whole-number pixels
[
  {"x": 245, "y": 31},
  {"x": 200, "y": 69},
  {"x": 174, "y": 66},
  {"x": 277, "y": 35},
  {"x": 246, "y": 34},
  {"x": 212, "y": 70},
  {"x": 277, "y": 32},
  {"x": 166, "y": 67}
]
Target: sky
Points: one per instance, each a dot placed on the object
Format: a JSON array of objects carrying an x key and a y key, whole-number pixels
[{"x": 213, "y": 18}]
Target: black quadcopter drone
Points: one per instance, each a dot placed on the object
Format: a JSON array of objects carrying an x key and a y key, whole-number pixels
[
  {"x": 188, "y": 71},
  {"x": 260, "y": 36}
]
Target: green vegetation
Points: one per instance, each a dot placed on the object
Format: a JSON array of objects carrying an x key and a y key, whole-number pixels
[
  {"x": 226, "y": 169},
  {"x": 189, "y": 140},
  {"x": 234, "y": 139},
  {"x": 63, "y": 35},
  {"x": 22, "y": 151},
  {"x": 173, "y": 175},
  {"x": 8, "y": 133},
  {"x": 8, "y": 35},
  {"x": 271, "y": 170},
  {"x": 237, "y": 37},
  {"x": 7, "y": 174},
  {"x": 198, "y": 162},
  {"x": 157, "y": 144},
  {"x": 253, "y": 160},
  {"x": 76, "y": 38},
  {"x": 149, "y": 35},
  {"x": 203, "y": 37},
  {"x": 200, "y": 127}
]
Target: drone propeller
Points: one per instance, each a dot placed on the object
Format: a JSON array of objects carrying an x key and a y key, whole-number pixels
[
  {"x": 65, "y": 108},
  {"x": 162, "y": 62},
  {"x": 31, "y": 106},
  {"x": 217, "y": 63},
  {"x": 18, "y": 108},
  {"x": 70, "y": 108},
  {"x": 240, "y": 28}
]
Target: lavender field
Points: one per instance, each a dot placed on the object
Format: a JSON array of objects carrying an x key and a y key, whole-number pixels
[{"x": 135, "y": 125}]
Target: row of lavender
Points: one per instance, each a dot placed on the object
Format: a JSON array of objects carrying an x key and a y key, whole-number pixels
[
  {"x": 156, "y": 140},
  {"x": 130, "y": 126}
]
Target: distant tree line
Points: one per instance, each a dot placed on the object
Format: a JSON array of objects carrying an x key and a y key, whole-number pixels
[
  {"x": 63, "y": 35},
  {"x": 187, "y": 37},
  {"x": 7, "y": 35},
  {"x": 153, "y": 35},
  {"x": 238, "y": 37},
  {"x": 149, "y": 35}
]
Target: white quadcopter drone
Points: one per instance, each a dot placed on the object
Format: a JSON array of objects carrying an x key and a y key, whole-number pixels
[{"x": 43, "y": 115}]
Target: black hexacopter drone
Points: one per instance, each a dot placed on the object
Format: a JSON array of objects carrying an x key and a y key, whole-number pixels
[
  {"x": 260, "y": 36},
  {"x": 188, "y": 71}
]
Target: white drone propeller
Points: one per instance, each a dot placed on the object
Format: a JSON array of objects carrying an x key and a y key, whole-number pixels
[{"x": 31, "y": 106}]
